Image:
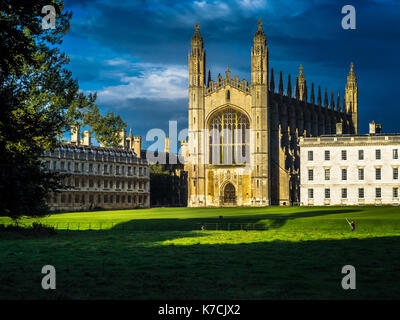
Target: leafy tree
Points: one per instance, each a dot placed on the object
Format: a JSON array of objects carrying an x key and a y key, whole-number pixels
[{"x": 39, "y": 101}]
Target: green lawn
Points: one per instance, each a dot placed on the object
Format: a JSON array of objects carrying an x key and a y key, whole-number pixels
[{"x": 162, "y": 254}]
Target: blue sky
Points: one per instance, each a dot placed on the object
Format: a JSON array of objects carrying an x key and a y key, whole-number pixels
[{"x": 134, "y": 53}]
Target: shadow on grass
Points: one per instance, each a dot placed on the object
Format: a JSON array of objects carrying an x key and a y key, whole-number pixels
[
  {"x": 97, "y": 265},
  {"x": 261, "y": 221}
]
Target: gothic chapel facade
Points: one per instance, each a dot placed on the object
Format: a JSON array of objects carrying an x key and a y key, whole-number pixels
[{"x": 243, "y": 138}]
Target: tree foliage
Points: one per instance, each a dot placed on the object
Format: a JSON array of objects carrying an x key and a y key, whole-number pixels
[{"x": 39, "y": 101}]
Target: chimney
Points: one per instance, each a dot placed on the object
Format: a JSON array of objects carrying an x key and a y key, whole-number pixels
[
  {"x": 87, "y": 138},
  {"x": 75, "y": 134},
  {"x": 166, "y": 149},
  {"x": 339, "y": 128},
  {"x": 137, "y": 145},
  {"x": 122, "y": 135},
  {"x": 374, "y": 128}
]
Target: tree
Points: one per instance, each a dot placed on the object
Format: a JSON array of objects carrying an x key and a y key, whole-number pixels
[{"x": 39, "y": 101}]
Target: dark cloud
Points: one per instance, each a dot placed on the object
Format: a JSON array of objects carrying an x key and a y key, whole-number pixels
[{"x": 306, "y": 32}]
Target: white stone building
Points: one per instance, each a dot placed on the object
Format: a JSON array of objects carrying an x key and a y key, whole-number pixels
[
  {"x": 99, "y": 177},
  {"x": 350, "y": 169}
]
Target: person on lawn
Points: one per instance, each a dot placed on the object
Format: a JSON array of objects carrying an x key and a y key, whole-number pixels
[{"x": 352, "y": 224}]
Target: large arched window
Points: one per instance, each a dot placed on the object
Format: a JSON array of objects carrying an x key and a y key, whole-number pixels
[{"x": 228, "y": 137}]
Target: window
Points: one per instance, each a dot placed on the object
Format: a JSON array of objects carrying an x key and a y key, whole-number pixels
[
  {"x": 378, "y": 154},
  {"x": 327, "y": 174},
  {"x": 361, "y": 193},
  {"x": 82, "y": 167},
  {"x": 117, "y": 171},
  {"x": 228, "y": 135},
  {"x": 105, "y": 199},
  {"x": 310, "y": 193},
  {"x": 90, "y": 167},
  {"x": 344, "y": 193},
  {"x": 105, "y": 183},
  {"x": 98, "y": 184},
  {"x": 360, "y": 173},
  {"x": 105, "y": 168},
  {"x": 62, "y": 165},
  {"x": 395, "y": 154},
  {"x": 344, "y": 155},
  {"x": 91, "y": 183},
  {"x": 310, "y": 156},
  {"x": 360, "y": 154},
  {"x": 76, "y": 182},
  {"x": 344, "y": 174},
  {"x": 395, "y": 173},
  {"x": 129, "y": 172},
  {"x": 327, "y": 155},
  {"x": 378, "y": 173},
  {"x": 310, "y": 174},
  {"x": 327, "y": 193},
  {"x": 395, "y": 192},
  {"x": 378, "y": 193}
]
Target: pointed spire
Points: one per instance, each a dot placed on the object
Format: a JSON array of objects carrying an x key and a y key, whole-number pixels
[
  {"x": 280, "y": 83},
  {"x": 312, "y": 97},
  {"x": 260, "y": 35},
  {"x": 301, "y": 83},
  {"x": 326, "y": 104},
  {"x": 319, "y": 99},
  {"x": 130, "y": 133},
  {"x": 351, "y": 77},
  {"x": 289, "y": 88},
  {"x": 296, "y": 89},
  {"x": 304, "y": 97},
  {"x": 197, "y": 39},
  {"x": 332, "y": 101},
  {"x": 227, "y": 73},
  {"x": 344, "y": 103},
  {"x": 209, "y": 78},
  {"x": 272, "y": 81},
  {"x": 338, "y": 102}
]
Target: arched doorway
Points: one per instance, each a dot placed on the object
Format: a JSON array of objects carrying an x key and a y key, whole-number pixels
[{"x": 229, "y": 194}]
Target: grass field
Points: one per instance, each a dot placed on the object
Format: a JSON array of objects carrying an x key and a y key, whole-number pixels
[{"x": 162, "y": 254}]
